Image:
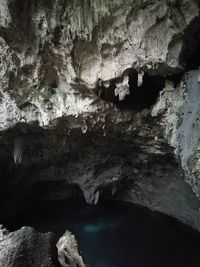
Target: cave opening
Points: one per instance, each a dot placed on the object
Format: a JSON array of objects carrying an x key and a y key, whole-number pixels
[{"x": 139, "y": 97}]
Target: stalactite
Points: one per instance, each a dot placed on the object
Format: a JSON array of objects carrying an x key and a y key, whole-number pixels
[
  {"x": 96, "y": 197},
  {"x": 140, "y": 78},
  {"x": 106, "y": 84},
  {"x": 114, "y": 189},
  {"x": 122, "y": 88},
  {"x": 18, "y": 149}
]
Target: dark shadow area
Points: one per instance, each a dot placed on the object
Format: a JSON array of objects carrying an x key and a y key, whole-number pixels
[
  {"x": 140, "y": 97},
  {"x": 190, "y": 54},
  {"x": 21, "y": 32},
  {"x": 118, "y": 234},
  {"x": 146, "y": 95},
  {"x": 21, "y": 29}
]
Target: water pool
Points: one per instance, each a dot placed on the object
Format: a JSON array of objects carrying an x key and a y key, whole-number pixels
[{"x": 117, "y": 234}]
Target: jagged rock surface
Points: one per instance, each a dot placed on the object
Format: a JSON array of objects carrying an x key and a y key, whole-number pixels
[
  {"x": 57, "y": 60},
  {"x": 53, "y": 53},
  {"x": 68, "y": 253},
  {"x": 180, "y": 120},
  {"x": 26, "y": 247}
]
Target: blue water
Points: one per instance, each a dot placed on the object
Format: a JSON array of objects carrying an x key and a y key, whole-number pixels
[{"x": 115, "y": 234}]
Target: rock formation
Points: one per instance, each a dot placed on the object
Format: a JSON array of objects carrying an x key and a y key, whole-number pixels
[
  {"x": 26, "y": 247},
  {"x": 104, "y": 95},
  {"x": 68, "y": 254}
]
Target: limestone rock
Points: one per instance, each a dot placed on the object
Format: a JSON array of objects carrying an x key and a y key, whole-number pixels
[
  {"x": 26, "y": 247},
  {"x": 62, "y": 69},
  {"x": 68, "y": 254},
  {"x": 53, "y": 53},
  {"x": 181, "y": 124}
]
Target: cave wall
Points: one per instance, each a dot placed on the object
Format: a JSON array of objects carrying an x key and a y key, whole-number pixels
[
  {"x": 180, "y": 120},
  {"x": 95, "y": 102},
  {"x": 53, "y": 53}
]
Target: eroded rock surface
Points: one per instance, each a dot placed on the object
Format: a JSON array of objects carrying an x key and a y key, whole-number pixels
[
  {"x": 26, "y": 247},
  {"x": 68, "y": 253},
  {"x": 180, "y": 120},
  {"x": 91, "y": 103},
  {"x": 53, "y": 53}
]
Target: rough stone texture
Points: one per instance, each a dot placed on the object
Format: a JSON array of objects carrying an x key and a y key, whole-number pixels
[
  {"x": 27, "y": 248},
  {"x": 181, "y": 123},
  {"x": 53, "y": 53},
  {"x": 68, "y": 253},
  {"x": 134, "y": 166},
  {"x": 57, "y": 60}
]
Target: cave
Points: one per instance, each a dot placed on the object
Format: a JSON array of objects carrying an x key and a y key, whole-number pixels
[
  {"x": 99, "y": 133},
  {"x": 49, "y": 186},
  {"x": 140, "y": 97},
  {"x": 141, "y": 237}
]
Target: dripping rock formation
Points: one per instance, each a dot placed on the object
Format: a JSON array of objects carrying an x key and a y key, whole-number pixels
[{"x": 100, "y": 99}]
